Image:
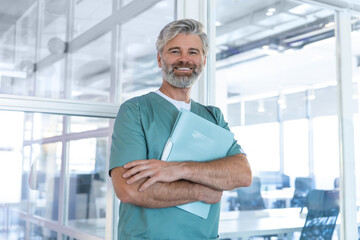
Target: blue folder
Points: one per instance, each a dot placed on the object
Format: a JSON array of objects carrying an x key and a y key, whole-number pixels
[{"x": 194, "y": 138}]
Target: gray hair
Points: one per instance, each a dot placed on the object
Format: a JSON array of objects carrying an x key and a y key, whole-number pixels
[{"x": 185, "y": 26}]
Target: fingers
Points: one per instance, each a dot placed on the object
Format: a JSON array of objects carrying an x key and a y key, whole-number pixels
[
  {"x": 135, "y": 163},
  {"x": 136, "y": 170},
  {"x": 147, "y": 184},
  {"x": 140, "y": 175}
]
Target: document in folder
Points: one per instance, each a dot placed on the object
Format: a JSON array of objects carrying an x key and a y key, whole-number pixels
[{"x": 194, "y": 138}]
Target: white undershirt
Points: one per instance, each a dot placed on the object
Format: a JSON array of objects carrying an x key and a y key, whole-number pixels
[{"x": 177, "y": 104}]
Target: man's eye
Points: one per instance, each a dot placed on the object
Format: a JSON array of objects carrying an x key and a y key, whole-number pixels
[
  {"x": 193, "y": 53},
  {"x": 175, "y": 52}
]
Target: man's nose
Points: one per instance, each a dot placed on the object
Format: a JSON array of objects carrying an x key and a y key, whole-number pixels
[{"x": 184, "y": 57}]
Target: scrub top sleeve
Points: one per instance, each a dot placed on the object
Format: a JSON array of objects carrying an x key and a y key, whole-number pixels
[{"x": 128, "y": 140}]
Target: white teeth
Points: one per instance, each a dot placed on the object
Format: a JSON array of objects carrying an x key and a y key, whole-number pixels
[{"x": 184, "y": 68}]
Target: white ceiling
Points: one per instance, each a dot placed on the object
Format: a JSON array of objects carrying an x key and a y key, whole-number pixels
[{"x": 268, "y": 69}]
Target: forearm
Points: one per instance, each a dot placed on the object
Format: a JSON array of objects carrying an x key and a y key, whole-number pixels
[
  {"x": 161, "y": 194},
  {"x": 222, "y": 174}
]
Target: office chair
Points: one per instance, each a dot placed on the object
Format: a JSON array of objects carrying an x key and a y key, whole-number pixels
[
  {"x": 337, "y": 183},
  {"x": 303, "y": 185},
  {"x": 285, "y": 183},
  {"x": 249, "y": 198},
  {"x": 323, "y": 210}
]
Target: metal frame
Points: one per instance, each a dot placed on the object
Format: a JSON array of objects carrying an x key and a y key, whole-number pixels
[{"x": 346, "y": 129}]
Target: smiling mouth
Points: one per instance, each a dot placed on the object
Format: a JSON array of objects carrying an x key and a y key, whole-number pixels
[{"x": 183, "y": 68}]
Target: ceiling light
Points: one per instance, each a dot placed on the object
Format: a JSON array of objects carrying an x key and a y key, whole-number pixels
[
  {"x": 302, "y": 9},
  {"x": 282, "y": 101},
  {"x": 261, "y": 107},
  {"x": 270, "y": 11},
  {"x": 14, "y": 74},
  {"x": 329, "y": 24},
  {"x": 311, "y": 93}
]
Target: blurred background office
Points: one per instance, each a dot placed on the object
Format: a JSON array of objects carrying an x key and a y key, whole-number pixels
[{"x": 284, "y": 72}]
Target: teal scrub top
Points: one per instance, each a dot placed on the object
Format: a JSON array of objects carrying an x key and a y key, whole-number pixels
[{"x": 141, "y": 129}]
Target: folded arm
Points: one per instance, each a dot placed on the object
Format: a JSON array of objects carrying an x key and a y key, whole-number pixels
[
  {"x": 161, "y": 194},
  {"x": 222, "y": 174}
]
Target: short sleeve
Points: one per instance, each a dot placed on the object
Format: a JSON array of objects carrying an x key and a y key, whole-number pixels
[
  {"x": 235, "y": 147},
  {"x": 128, "y": 140}
]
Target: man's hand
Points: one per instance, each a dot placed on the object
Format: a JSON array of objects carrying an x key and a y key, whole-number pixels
[{"x": 154, "y": 170}]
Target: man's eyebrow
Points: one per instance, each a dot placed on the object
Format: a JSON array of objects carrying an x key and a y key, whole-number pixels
[
  {"x": 194, "y": 49},
  {"x": 174, "y": 48},
  {"x": 178, "y": 48}
]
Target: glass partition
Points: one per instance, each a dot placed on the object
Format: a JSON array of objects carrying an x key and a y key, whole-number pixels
[
  {"x": 41, "y": 232},
  {"x": 44, "y": 180},
  {"x": 25, "y": 50},
  {"x": 90, "y": 71},
  {"x": 53, "y": 172},
  {"x": 276, "y": 80},
  {"x": 87, "y": 184},
  {"x": 50, "y": 81},
  {"x": 53, "y": 28},
  {"x": 139, "y": 71},
  {"x": 88, "y": 13}
]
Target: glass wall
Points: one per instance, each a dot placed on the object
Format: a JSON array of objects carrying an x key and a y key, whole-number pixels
[
  {"x": 54, "y": 170},
  {"x": 276, "y": 82}
]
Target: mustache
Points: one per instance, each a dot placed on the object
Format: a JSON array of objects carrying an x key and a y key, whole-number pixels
[{"x": 183, "y": 65}]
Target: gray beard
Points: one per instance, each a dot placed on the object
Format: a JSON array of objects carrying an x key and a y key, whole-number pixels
[{"x": 180, "y": 81}]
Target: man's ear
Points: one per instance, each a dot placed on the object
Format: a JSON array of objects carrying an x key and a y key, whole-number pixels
[
  {"x": 204, "y": 60},
  {"x": 159, "y": 60}
]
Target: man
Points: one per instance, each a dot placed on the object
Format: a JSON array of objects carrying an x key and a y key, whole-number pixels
[{"x": 149, "y": 189}]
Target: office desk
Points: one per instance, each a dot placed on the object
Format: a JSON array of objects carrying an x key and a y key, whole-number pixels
[
  {"x": 244, "y": 224},
  {"x": 285, "y": 194}
]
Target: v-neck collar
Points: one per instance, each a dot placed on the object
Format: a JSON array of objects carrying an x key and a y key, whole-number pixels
[{"x": 168, "y": 104}]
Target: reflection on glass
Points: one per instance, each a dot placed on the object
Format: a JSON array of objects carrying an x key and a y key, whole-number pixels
[
  {"x": 7, "y": 49},
  {"x": 87, "y": 185},
  {"x": 91, "y": 71},
  {"x": 44, "y": 180},
  {"x": 65, "y": 237},
  {"x": 8, "y": 80},
  {"x": 139, "y": 72},
  {"x": 82, "y": 124},
  {"x": 17, "y": 228},
  {"x": 88, "y": 13},
  {"x": 40, "y": 232},
  {"x": 125, "y": 2},
  {"x": 50, "y": 81},
  {"x": 46, "y": 125},
  {"x": 25, "y": 52},
  {"x": 33, "y": 168},
  {"x": 53, "y": 30},
  {"x": 24, "y": 185}
]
